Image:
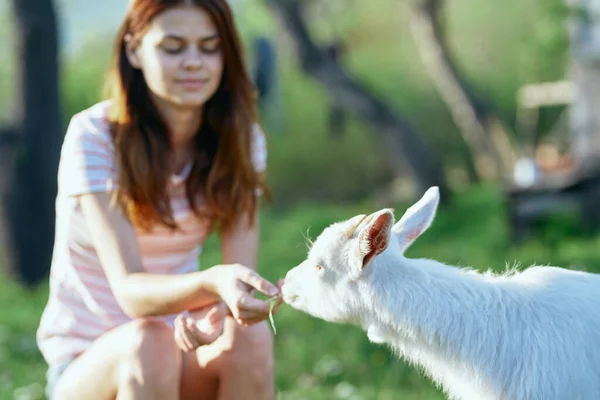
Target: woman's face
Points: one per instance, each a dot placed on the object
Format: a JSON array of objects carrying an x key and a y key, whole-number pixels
[{"x": 180, "y": 56}]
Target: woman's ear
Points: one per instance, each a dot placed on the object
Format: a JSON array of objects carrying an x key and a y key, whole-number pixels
[{"x": 131, "y": 50}]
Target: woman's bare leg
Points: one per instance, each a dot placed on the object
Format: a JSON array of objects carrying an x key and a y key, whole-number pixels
[
  {"x": 249, "y": 372},
  {"x": 138, "y": 360},
  {"x": 240, "y": 362}
]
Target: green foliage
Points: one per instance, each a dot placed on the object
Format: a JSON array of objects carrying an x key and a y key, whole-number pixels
[
  {"x": 502, "y": 48},
  {"x": 82, "y": 77},
  {"x": 315, "y": 359},
  {"x": 499, "y": 48}
]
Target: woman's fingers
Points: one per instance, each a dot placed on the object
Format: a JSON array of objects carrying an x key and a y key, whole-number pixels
[
  {"x": 196, "y": 337},
  {"x": 189, "y": 337},
  {"x": 253, "y": 279},
  {"x": 246, "y": 318},
  {"x": 179, "y": 341},
  {"x": 245, "y": 304},
  {"x": 181, "y": 338},
  {"x": 212, "y": 326},
  {"x": 206, "y": 335},
  {"x": 217, "y": 315},
  {"x": 204, "y": 327},
  {"x": 251, "y": 310},
  {"x": 213, "y": 316}
]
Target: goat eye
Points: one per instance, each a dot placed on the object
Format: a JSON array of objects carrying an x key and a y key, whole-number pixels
[{"x": 319, "y": 267}]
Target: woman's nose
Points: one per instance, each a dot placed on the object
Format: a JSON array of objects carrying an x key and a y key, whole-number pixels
[{"x": 193, "y": 59}]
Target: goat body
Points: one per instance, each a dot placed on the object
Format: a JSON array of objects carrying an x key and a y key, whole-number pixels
[{"x": 524, "y": 335}]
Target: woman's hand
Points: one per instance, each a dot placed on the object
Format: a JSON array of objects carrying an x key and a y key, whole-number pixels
[
  {"x": 202, "y": 326},
  {"x": 236, "y": 285}
]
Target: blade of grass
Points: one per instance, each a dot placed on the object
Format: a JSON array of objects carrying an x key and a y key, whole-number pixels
[{"x": 273, "y": 301}]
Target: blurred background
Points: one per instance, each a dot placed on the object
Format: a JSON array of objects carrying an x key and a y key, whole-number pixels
[{"x": 365, "y": 104}]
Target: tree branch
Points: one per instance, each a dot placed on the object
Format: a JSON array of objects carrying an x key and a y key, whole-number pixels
[{"x": 400, "y": 139}]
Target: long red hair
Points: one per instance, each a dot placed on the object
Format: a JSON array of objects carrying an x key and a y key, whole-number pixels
[{"x": 223, "y": 175}]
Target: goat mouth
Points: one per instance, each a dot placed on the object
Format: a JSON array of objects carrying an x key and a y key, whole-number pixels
[{"x": 290, "y": 298}]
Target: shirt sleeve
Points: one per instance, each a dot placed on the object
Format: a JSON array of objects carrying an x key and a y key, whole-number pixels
[{"x": 87, "y": 163}]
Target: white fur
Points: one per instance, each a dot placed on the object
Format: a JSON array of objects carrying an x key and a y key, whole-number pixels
[{"x": 518, "y": 336}]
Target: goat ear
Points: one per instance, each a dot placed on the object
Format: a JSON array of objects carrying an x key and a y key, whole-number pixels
[
  {"x": 417, "y": 218},
  {"x": 374, "y": 237},
  {"x": 352, "y": 225}
]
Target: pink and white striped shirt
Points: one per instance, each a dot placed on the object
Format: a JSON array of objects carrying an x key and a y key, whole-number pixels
[{"x": 81, "y": 305}]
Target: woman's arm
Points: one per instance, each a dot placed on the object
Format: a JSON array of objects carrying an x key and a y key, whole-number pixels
[
  {"x": 143, "y": 294},
  {"x": 139, "y": 293}
]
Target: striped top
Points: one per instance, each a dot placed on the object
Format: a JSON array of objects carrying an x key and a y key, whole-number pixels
[{"x": 81, "y": 305}]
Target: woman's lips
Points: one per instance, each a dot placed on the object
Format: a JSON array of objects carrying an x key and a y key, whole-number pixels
[{"x": 192, "y": 84}]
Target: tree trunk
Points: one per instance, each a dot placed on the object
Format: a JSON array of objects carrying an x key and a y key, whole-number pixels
[
  {"x": 401, "y": 141},
  {"x": 28, "y": 186},
  {"x": 491, "y": 148},
  {"x": 8, "y": 141}
]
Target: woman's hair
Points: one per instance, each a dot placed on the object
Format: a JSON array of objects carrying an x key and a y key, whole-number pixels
[{"x": 223, "y": 178}]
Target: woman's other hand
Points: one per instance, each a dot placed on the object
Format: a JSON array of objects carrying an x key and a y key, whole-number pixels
[{"x": 203, "y": 326}]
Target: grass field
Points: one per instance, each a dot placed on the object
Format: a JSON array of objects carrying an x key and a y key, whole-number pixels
[{"x": 317, "y": 360}]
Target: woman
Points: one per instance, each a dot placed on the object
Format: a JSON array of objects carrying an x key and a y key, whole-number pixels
[{"x": 143, "y": 179}]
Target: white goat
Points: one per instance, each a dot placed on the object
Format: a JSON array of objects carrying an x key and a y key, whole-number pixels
[{"x": 519, "y": 336}]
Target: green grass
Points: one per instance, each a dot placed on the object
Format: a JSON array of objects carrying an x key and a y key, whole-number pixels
[{"x": 317, "y": 360}]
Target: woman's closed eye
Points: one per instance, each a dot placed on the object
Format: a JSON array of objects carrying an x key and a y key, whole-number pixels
[
  {"x": 210, "y": 46},
  {"x": 172, "y": 46}
]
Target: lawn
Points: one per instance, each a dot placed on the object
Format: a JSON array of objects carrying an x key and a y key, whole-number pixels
[{"x": 317, "y": 360}]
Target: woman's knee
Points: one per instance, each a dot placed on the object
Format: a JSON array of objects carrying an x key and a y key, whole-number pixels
[
  {"x": 140, "y": 353},
  {"x": 152, "y": 353},
  {"x": 251, "y": 349}
]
